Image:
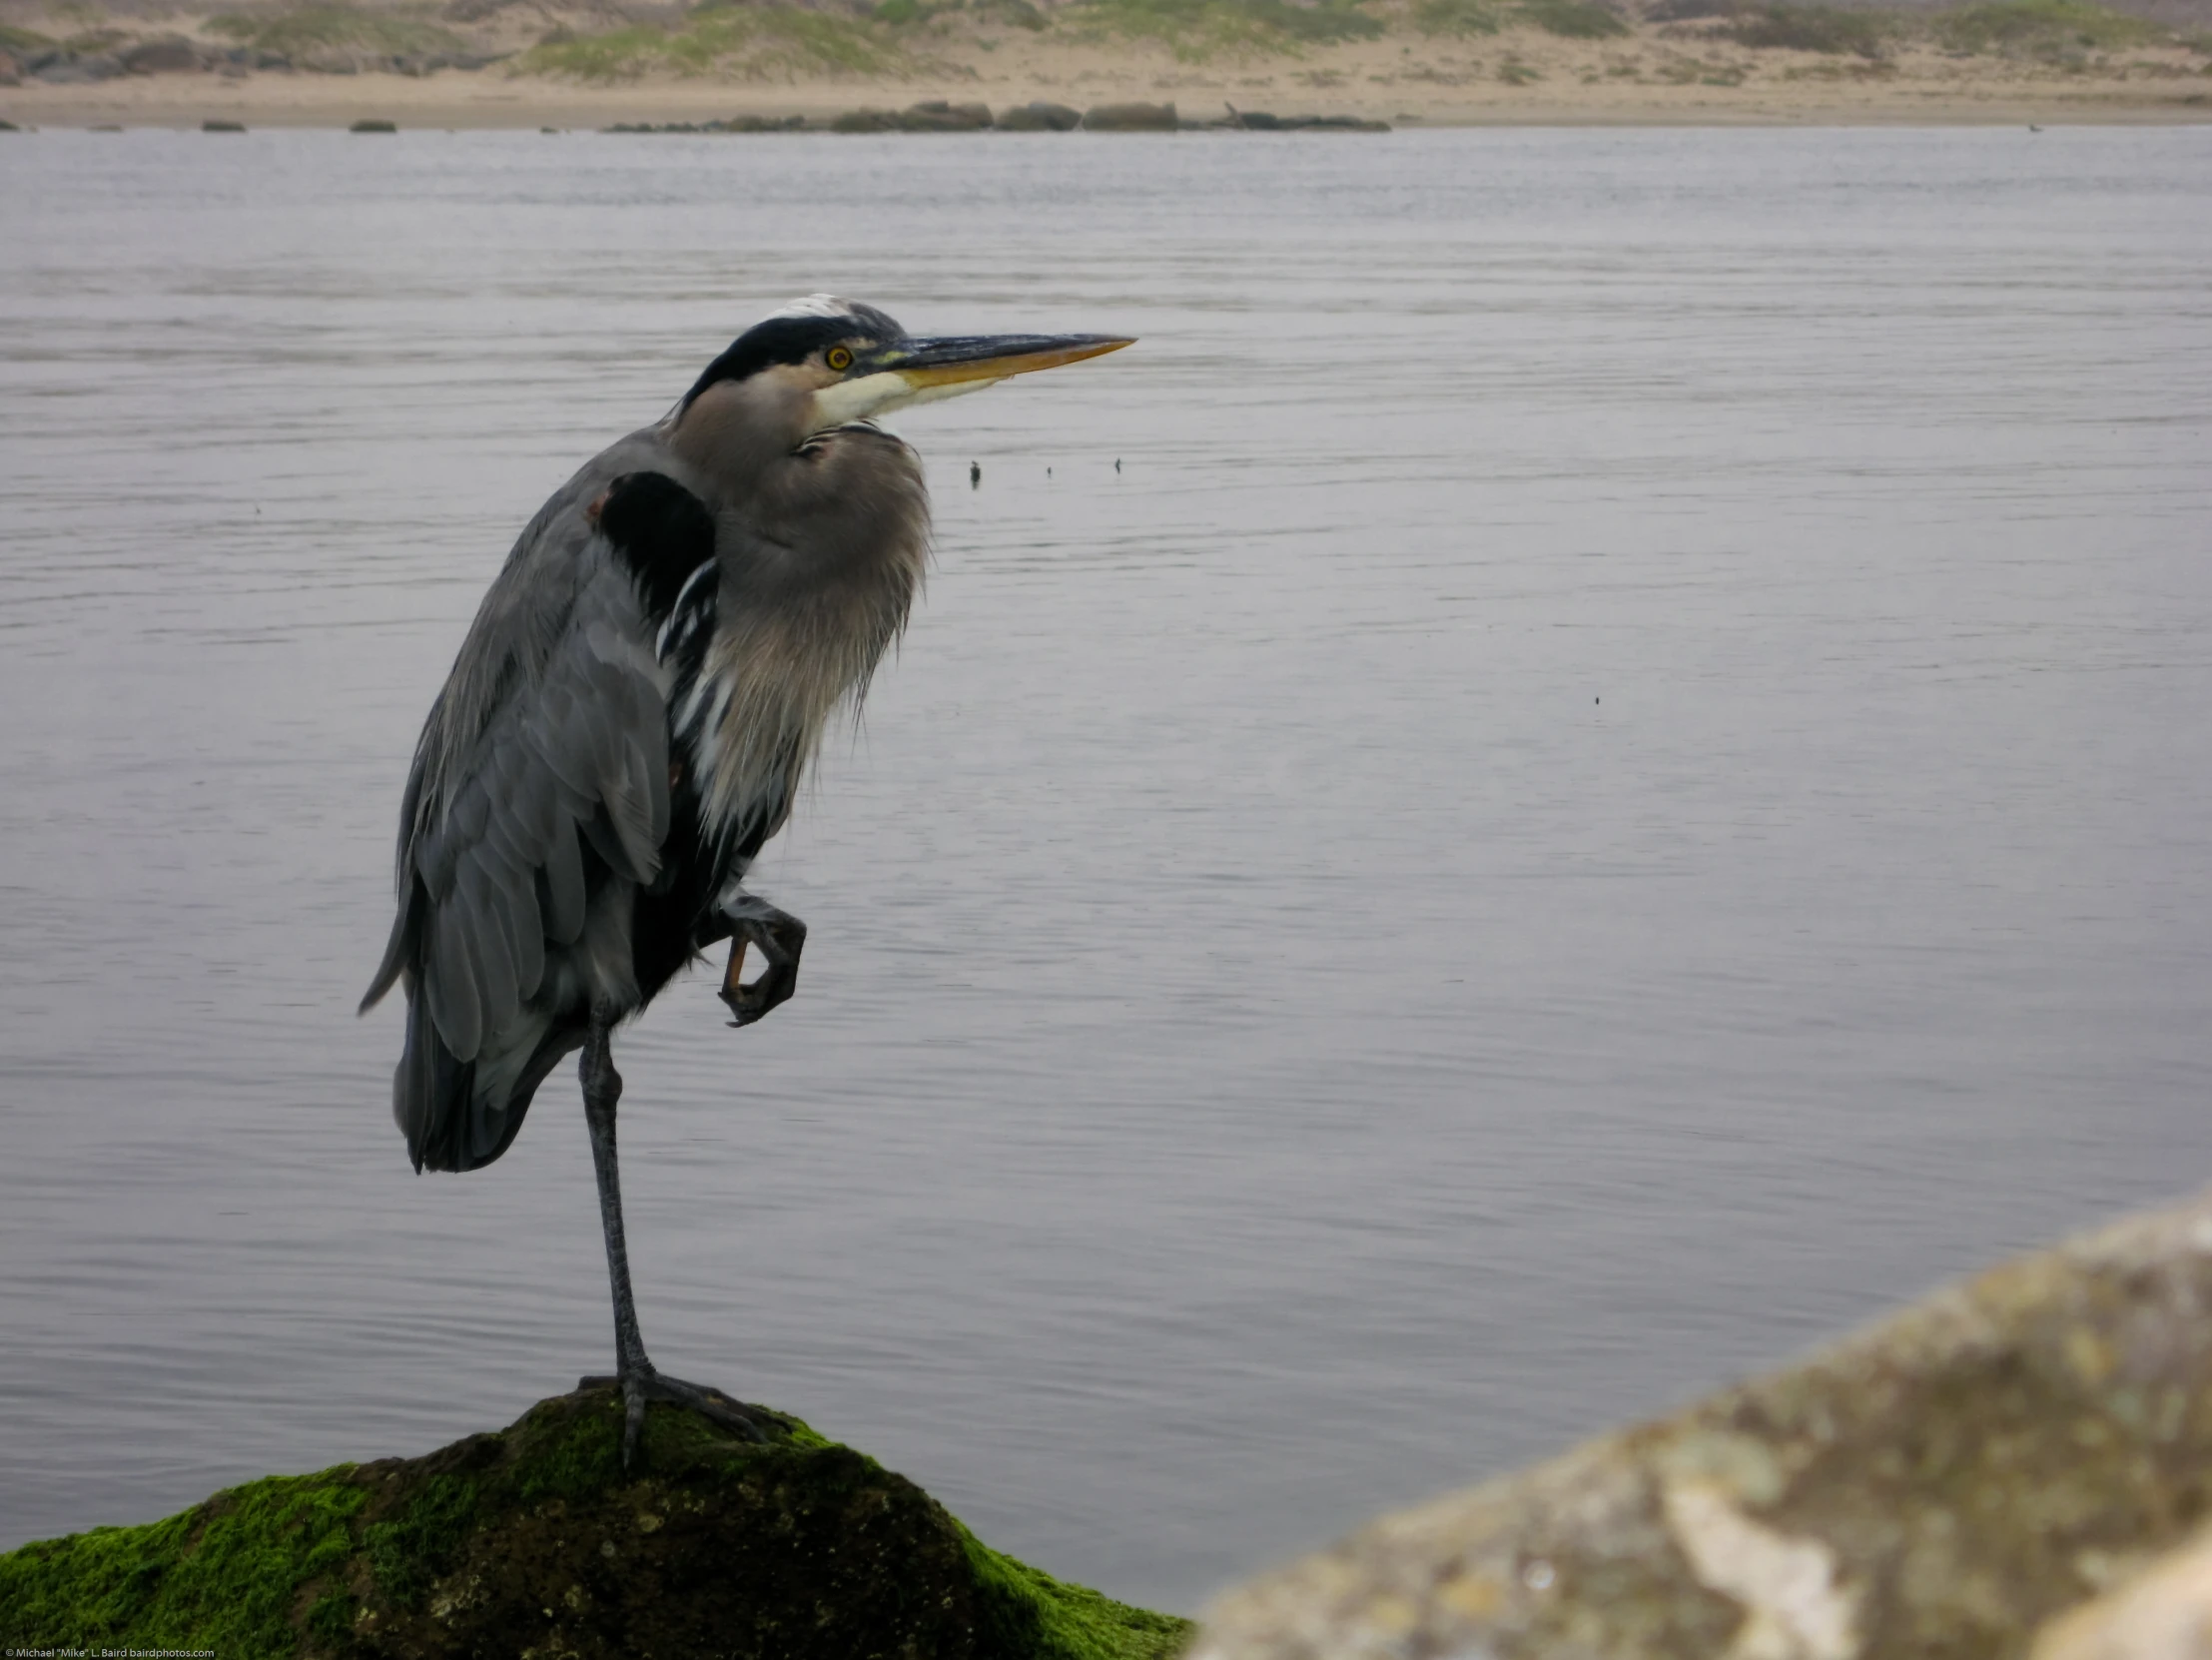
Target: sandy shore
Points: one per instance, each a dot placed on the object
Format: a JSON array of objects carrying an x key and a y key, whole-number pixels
[{"x": 1517, "y": 78}]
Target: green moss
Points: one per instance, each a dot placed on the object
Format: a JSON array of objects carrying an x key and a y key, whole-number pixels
[
  {"x": 1573, "y": 19},
  {"x": 799, "y": 1549},
  {"x": 223, "y": 1576},
  {"x": 1035, "y": 1614},
  {"x": 14, "y": 38},
  {"x": 407, "y": 1554},
  {"x": 748, "y": 42},
  {"x": 575, "y": 1458},
  {"x": 329, "y": 1618},
  {"x": 2041, "y": 28},
  {"x": 316, "y": 28}
]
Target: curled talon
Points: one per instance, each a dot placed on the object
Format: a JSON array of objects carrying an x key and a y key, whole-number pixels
[{"x": 781, "y": 938}]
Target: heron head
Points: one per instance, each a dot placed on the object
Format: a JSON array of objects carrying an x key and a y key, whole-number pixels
[{"x": 822, "y": 363}]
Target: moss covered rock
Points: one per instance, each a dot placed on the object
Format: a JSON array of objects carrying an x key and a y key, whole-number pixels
[{"x": 534, "y": 1541}]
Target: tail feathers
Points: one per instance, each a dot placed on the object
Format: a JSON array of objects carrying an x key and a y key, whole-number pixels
[
  {"x": 430, "y": 1091},
  {"x": 461, "y": 1115},
  {"x": 398, "y": 951}
]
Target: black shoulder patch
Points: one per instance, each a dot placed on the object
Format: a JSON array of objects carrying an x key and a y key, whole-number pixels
[{"x": 662, "y": 531}]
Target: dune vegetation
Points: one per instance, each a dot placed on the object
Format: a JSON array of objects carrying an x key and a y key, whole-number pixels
[
  {"x": 905, "y": 37},
  {"x": 735, "y": 41},
  {"x": 305, "y": 30},
  {"x": 2042, "y": 27},
  {"x": 1428, "y": 52}
]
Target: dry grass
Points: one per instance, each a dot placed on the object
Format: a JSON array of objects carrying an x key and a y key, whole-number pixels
[
  {"x": 760, "y": 43},
  {"x": 310, "y": 29}
]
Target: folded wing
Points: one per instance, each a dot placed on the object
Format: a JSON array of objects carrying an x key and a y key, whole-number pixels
[{"x": 536, "y": 808}]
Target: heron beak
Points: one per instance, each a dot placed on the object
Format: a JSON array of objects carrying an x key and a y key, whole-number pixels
[
  {"x": 903, "y": 372},
  {"x": 929, "y": 364}
]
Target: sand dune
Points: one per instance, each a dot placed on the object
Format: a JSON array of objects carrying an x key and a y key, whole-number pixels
[{"x": 1651, "y": 72}]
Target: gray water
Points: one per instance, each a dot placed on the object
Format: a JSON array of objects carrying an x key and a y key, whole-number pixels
[{"x": 1619, "y": 780}]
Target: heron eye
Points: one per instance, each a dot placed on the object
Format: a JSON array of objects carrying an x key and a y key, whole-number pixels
[{"x": 839, "y": 357}]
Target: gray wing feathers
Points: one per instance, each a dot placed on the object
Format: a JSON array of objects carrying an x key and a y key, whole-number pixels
[
  {"x": 563, "y": 911},
  {"x": 449, "y": 985},
  {"x": 550, "y": 735},
  {"x": 577, "y": 748},
  {"x": 589, "y": 738}
]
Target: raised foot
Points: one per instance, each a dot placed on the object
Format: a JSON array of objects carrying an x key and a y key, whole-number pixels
[
  {"x": 638, "y": 1387},
  {"x": 781, "y": 937}
]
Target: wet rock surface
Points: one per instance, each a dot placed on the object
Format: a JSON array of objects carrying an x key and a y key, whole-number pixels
[
  {"x": 1263, "y": 121},
  {"x": 1131, "y": 118},
  {"x": 735, "y": 123},
  {"x": 1039, "y": 116},
  {"x": 66, "y": 68},
  {"x": 937, "y": 115},
  {"x": 534, "y": 1540},
  {"x": 169, "y": 55},
  {"x": 1944, "y": 1484}
]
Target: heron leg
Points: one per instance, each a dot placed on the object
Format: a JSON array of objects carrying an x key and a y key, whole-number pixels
[
  {"x": 634, "y": 1373},
  {"x": 779, "y": 937}
]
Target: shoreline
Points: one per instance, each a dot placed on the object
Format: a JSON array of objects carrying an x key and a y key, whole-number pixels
[
  {"x": 565, "y": 110},
  {"x": 1512, "y": 81}
]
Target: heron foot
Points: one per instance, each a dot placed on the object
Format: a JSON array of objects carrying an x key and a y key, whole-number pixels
[
  {"x": 645, "y": 1384},
  {"x": 779, "y": 937}
]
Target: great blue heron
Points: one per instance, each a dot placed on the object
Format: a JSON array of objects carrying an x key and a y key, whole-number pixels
[{"x": 628, "y": 720}]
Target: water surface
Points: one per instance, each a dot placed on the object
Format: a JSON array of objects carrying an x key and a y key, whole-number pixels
[{"x": 1618, "y": 779}]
